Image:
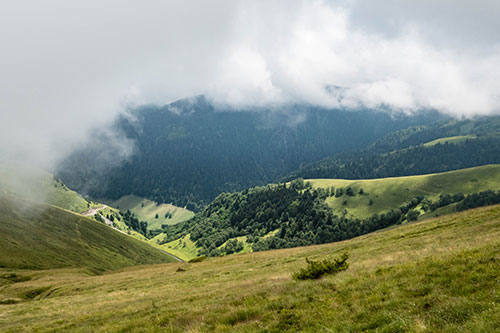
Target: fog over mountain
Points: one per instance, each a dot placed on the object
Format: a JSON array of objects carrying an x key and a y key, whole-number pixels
[{"x": 69, "y": 67}]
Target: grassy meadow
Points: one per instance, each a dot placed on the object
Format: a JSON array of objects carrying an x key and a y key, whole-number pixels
[
  {"x": 450, "y": 139},
  {"x": 146, "y": 210},
  {"x": 438, "y": 275},
  {"x": 183, "y": 248},
  {"x": 381, "y": 195}
]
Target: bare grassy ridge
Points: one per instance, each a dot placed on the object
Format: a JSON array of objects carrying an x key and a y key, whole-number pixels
[
  {"x": 436, "y": 275},
  {"x": 389, "y": 193},
  {"x": 450, "y": 139}
]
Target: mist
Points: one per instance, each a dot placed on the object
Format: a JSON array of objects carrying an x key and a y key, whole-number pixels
[{"x": 69, "y": 68}]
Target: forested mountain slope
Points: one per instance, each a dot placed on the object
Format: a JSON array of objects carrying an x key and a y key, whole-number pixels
[
  {"x": 415, "y": 151},
  {"x": 188, "y": 152}
]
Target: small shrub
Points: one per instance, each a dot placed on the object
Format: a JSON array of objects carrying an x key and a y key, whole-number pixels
[{"x": 316, "y": 269}]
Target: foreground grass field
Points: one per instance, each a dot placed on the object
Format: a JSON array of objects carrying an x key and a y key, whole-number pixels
[
  {"x": 437, "y": 275},
  {"x": 381, "y": 195}
]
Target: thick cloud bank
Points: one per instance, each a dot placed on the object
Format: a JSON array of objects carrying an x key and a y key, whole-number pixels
[{"x": 70, "y": 66}]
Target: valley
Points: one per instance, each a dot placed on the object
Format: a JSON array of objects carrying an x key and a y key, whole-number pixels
[{"x": 422, "y": 249}]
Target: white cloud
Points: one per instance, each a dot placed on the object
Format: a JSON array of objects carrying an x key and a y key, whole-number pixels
[{"x": 69, "y": 66}]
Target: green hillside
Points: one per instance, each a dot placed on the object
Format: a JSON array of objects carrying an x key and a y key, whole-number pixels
[
  {"x": 381, "y": 195},
  {"x": 450, "y": 139},
  {"x": 439, "y": 275},
  {"x": 37, "y": 236},
  {"x": 41, "y": 186},
  {"x": 147, "y": 210}
]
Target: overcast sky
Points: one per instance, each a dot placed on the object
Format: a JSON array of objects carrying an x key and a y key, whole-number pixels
[{"x": 68, "y": 66}]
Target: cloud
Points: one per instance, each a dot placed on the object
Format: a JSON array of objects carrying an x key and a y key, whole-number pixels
[
  {"x": 70, "y": 67},
  {"x": 300, "y": 49}
]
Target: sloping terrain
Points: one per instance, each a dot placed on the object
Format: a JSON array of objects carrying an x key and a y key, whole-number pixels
[
  {"x": 38, "y": 236},
  {"x": 155, "y": 214},
  {"x": 418, "y": 150},
  {"x": 39, "y": 185},
  {"x": 384, "y": 194},
  {"x": 320, "y": 211},
  {"x": 436, "y": 275}
]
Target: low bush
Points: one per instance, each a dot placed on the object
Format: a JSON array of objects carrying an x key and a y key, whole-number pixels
[{"x": 316, "y": 269}]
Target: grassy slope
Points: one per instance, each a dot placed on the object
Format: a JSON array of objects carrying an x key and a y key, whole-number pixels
[
  {"x": 183, "y": 248},
  {"x": 145, "y": 210},
  {"x": 42, "y": 237},
  {"x": 189, "y": 250},
  {"x": 450, "y": 139},
  {"x": 389, "y": 193},
  {"x": 436, "y": 275},
  {"x": 38, "y": 185}
]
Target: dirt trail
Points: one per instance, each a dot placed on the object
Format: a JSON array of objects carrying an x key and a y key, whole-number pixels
[{"x": 93, "y": 211}]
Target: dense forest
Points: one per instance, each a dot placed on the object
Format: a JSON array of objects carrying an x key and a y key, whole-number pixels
[
  {"x": 277, "y": 216},
  {"x": 416, "y": 160},
  {"x": 481, "y": 127},
  {"x": 403, "y": 153},
  {"x": 190, "y": 151},
  {"x": 295, "y": 214}
]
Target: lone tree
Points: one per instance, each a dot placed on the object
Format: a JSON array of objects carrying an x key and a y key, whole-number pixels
[{"x": 349, "y": 192}]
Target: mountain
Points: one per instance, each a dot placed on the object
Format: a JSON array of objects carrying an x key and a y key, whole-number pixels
[
  {"x": 439, "y": 275},
  {"x": 38, "y": 236},
  {"x": 188, "y": 152}
]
